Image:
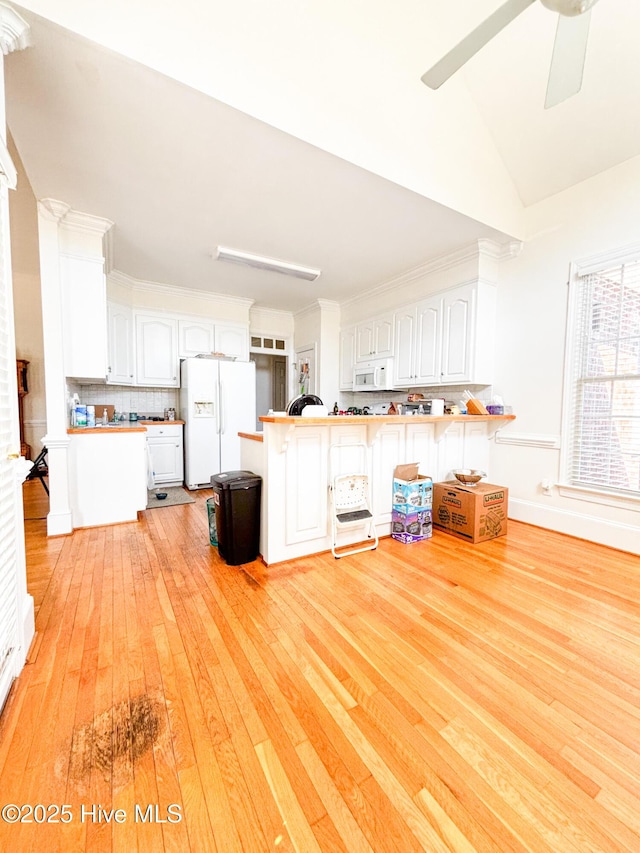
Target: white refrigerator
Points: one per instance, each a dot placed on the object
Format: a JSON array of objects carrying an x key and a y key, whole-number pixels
[{"x": 217, "y": 400}]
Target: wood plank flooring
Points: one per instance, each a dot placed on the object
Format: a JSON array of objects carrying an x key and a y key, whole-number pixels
[{"x": 438, "y": 697}]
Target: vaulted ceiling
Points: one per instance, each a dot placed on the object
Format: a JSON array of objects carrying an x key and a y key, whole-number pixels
[{"x": 302, "y": 131}]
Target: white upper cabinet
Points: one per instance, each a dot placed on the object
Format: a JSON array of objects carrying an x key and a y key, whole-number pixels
[
  {"x": 195, "y": 337},
  {"x": 374, "y": 339},
  {"x": 121, "y": 364},
  {"x": 157, "y": 351},
  {"x": 347, "y": 358},
  {"x": 232, "y": 340},
  {"x": 418, "y": 343},
  {"x": 447, "y": 339},
  {"x": 84, "y": 307},
  {"x": 198, "y": 336},
  {"x": 406, "y": 322}
]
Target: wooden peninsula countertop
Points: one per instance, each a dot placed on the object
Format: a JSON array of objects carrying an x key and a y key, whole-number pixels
[{"x": 333, "y": 420}]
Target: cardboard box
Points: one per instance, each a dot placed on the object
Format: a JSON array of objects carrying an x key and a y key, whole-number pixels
[
  {"x": 474, "y": 513},
  {"x": 411, "y": 491},
  {"x": 413, "y": 527}
]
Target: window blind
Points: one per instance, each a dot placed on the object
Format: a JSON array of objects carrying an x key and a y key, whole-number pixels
[{"x": 605, "y": 381}]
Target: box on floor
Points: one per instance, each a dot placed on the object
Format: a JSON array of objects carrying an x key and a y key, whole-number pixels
[{"x": 475, "y": 513}]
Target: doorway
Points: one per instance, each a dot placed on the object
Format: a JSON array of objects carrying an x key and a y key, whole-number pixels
[{"x": 271, "y": 384}]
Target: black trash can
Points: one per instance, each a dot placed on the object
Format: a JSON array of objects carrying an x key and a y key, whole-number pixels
[{"x": 237, "y": 497}]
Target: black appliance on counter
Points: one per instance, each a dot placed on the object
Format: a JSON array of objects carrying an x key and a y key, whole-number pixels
[{"x": 298, "y": 403}]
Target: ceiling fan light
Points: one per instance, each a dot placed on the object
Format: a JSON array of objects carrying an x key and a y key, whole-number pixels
[{"x": 262, "y": 262}]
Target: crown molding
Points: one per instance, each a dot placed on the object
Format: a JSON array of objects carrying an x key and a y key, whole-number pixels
[
  {"x": 271, "y": 312},
  {"x": 75, "y": 220},
  {"x": 482, "y": 248},
  {"x": 328, "y": 305},
  {"x": 140, "y": 286},
  {"x": 14, "y": 30}
]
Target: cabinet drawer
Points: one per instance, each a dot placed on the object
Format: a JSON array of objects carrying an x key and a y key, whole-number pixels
[{"x": 165, "y": 431}]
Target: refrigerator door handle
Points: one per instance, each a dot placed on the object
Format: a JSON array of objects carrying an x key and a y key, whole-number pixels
[{"x": 221, "y": 409}]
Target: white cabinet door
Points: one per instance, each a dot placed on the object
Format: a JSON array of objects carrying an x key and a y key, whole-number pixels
[
  {"x": 195, "y": 337},
  {"x": 232, "y": 340},
  {"x": 84, "y": 305},
  {"x": 305, "y": 507},
  {"x": 347, "y": 358},
  {"x": 428, "y": 349},
  {"x": 157, "y": 351},
  {"x": 120, "y": 370},
  {"x": 364, "y": 341},
  {"x": 458, "y": 315},
  {"x": 383, "y": 337},
  {"x": 166, "y": 447},
  {"x": 405, "y": 336},
  {"x": 374, "y": 338}
]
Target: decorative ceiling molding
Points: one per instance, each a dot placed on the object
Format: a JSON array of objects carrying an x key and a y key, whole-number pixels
[
  {"x": 476, "y": 251},
  {"x": 140, "y": 286},
  {"x": 73, "y": 219},
  {"x": 14, "y": 30}
]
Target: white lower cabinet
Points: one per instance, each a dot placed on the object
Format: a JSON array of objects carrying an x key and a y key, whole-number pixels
[
  {"x": 167, "y": 457},
  {"x": 297, "y": 469}
]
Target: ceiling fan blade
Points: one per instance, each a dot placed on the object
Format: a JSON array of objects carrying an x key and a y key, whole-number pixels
[
  {"x": 567, "y": 60},
  {"x": 471, "y": 44}
]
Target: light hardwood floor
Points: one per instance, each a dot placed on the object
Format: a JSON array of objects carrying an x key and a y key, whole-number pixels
[{"x": 437, "y": 696}]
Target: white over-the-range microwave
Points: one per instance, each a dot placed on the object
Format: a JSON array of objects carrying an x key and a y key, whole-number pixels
[{"x": 374, "y": 375}]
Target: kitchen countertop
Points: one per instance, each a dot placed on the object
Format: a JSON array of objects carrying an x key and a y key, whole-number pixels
[
  {"x": 252, "y": 436},
  {"x": 331, "y": 420},
  {"x": 120, "y": 427}
]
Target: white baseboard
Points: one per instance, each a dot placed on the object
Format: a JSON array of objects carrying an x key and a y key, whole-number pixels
[
  {"x": 59, "y": 524},
  {"x": 625, "y": 537}
]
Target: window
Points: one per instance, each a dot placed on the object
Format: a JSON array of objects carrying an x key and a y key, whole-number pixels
[{"x": 603, "y": 388}]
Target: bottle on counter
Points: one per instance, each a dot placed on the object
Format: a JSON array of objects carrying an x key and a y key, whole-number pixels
[
  {"x": 335, "y": 408},
  {"x": 105, "y": 416},
  {"x": 91, "y": 416}
]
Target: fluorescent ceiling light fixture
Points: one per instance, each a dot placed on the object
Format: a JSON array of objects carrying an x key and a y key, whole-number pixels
[{"x": 260, "y": 262}]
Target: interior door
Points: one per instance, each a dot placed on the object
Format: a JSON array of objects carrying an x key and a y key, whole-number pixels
[{"x": 12, "y": 560}]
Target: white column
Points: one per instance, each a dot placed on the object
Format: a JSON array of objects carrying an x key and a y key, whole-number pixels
[{"x": 56, "y": 440}]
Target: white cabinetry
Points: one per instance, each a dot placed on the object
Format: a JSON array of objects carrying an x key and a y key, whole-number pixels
[
  {"x": 195, "y": 337},
  {"x": 447, "y": 339},
  {"x": 232, "y": 340},
  {"x": 418, "y": 331},
  {"x": 374, "y": 338},
  {"x": 84, "y": 311},
  {"x": 347, "y": 358},
  {"x": 198, "y": 336},
  {"x": 166, "y": 447},
  {"x": 157, "y": 351},
  {"x": 121, "y": 365}
]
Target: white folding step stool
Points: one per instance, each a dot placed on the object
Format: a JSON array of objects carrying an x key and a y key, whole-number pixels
[{"x": 350, "y": 502}]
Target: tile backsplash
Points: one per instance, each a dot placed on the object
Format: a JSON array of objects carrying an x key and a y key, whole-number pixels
[
  {"x": 452, "y": 393},
  {"x": 148, "y": 401}
]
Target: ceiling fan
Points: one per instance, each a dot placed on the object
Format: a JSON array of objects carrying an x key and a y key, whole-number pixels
[{"x": 569, "y": 49}]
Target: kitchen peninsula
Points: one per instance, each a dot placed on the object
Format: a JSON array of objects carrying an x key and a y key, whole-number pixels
[
  {"x": 293, "y": 460},
  {"x": 108, "y": 469}
]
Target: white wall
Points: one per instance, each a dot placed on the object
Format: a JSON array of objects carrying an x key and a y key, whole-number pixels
[{"x": 598, "y": 215}]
